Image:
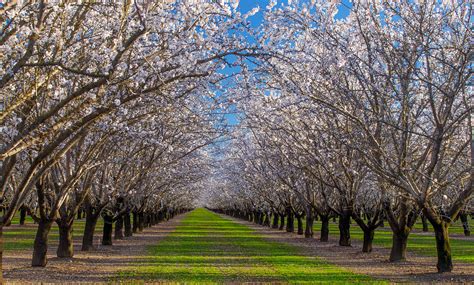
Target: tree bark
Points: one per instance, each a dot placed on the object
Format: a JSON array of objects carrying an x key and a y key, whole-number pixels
[
  {"x": 465, "y": 224},
  {"x": 135, "y": 222},
  {"x": 443, "y": 247},
  {"x": 40, "y": 247},
  {"x": 324, "y": 229},
  {"x": 89, "y": 230},
  {"x": 299, "y": 221},
  {"x": 275, "y": 221},
  {"x": 266, "y": 222},
  {"x": 141, "y": 222},
  {"x": 424, "y": 222},
  {"x": 119, "y": 228},
  {"x": 1, "y": 254},
  {"x": 282, "y": 222},
  {"x": 290, "y": 222},
  {"x": 344, "y": 229},
  {"x": 65, "y": 247},
  {"x": 107, "y": 232},
  {"x": 127, "y": 225},
  {"x": 368, "y": 240},
  {"x": 22, "y": 216},
  {"x": 399, "y": 247},
  {"x": 308, "y": 233}
]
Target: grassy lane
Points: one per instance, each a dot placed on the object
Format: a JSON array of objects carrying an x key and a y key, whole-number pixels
[
  {"x": 206, "y": 248},
  {"x": 462, "y": 250}
]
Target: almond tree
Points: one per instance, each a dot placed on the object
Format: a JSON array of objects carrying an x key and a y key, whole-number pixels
[{"x": 402, "y": 84}]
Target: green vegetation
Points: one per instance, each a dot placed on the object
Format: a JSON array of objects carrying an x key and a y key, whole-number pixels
[
  {"x": 425, "y": 244},
  {"x": 22, "y": 237},
  {"x": 208, "y": 248}
]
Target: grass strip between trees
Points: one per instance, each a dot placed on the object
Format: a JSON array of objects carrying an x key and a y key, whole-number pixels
[{"x": 206, "y": 248}]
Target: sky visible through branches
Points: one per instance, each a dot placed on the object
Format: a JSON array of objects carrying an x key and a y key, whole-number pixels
[{"x": 247, "y": 5}]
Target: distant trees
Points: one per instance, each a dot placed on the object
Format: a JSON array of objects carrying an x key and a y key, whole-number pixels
[
  {"x": 370, "y": 115},
  {"x": 108, "y": 108}
]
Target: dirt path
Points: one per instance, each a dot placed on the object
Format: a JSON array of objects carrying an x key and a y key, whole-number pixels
[
  {"x": 418, "y": 269},
  {"x": 100, "y": 265},
  {"x": 451, "y": 235}
]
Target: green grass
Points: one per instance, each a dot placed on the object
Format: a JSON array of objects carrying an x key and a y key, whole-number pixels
[
  {"x": 206, "y": 248},
  {"x": 462, "y": 250},
  {"x": 22, "y": 237}
]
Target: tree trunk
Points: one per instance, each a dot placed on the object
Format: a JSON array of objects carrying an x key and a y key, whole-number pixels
[
  {"x": 89, "y": 230},
  {"x": 40, "y": 247},
  {"x": 399, "y": 247},
  {"x": 465, "y": 224},
  {"x": 368, "y": 239},
  {"x": 65, "y": 247},
  {"x": 344, "y": 229},
  {"x": 443, "y": 248},
  {"x": 275, "y": 221},
  {"x": 1, "y": 254},
  {"x": 128, "y": 225},
  {"x": 324, "y": 229},
  {"x": 119, "y": 228},
  {"x": 141, "y": 222},
  {"x": 148, "y": 220},
  {"x": 22, "y": 216},
  {"x": 308, "y": 233},
  {"x": 290, "y": 222},
  {"x": 261, "y": 220},
  {"x": 107, "y": 232},
  {"x": 282, "y": 222},
  {"x": 424, "y": 222},
  {"x": 299, "y": 221},
  {"x": 135, "y": 222},
  {"x": 266, "y": 222}
]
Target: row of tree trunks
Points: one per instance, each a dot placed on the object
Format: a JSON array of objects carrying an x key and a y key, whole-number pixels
[
  {"x": 65, "y": 222},
  {"x": 284, "y": 221},
  {"x": 401, "y": 226}
]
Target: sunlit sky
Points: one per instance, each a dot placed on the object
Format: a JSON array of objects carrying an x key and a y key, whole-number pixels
[{"x": 247, "y": 5}]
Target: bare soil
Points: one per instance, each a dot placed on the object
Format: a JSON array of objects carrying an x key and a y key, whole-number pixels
[
  {"x": 101, "y": 265},
  {"x": 417, "y": 269}
]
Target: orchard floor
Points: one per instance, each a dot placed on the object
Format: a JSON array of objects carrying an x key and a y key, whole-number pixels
[
  {"x": 98, "y": 266},
  {"x": 203, "y": 247},
  {"x": 417, "y": 269}
]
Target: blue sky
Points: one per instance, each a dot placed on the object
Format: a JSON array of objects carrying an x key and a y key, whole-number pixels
[{"x": 247, "y": 5}]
